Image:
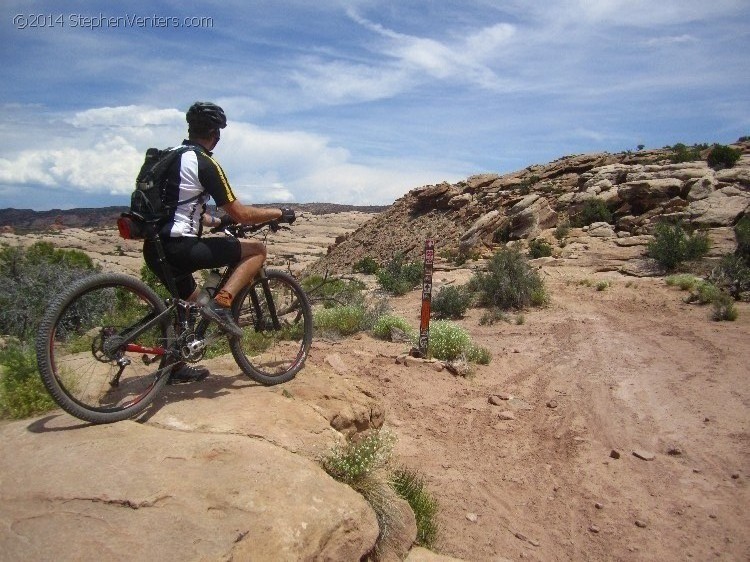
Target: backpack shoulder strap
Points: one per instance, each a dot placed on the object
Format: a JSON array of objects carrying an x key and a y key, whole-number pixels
[{"x": 177, "y": 152}]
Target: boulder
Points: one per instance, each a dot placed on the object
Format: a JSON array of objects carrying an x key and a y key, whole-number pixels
[
  {"x": 700, "y": 188},
  {"x": 529, "y": 216},
  {"x": 718, "y": 209},
  {"x": 601, "y": 230},
  {"x": 482, "y": 230},
  {"x": 475, "y": 183},
  {"x": 130, "y": 491},
  {"x": 647, "y": 192},
  {"x": 739, "y": 175},
  {"x": 434, "y": 196}
]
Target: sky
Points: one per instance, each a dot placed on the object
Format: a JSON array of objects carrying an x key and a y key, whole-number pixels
[{"x": 356, "y": 101}]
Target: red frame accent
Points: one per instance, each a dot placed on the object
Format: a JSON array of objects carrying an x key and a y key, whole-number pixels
[{"x": 135, "y": 348}]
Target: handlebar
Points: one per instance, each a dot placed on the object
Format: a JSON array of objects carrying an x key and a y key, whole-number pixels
[{"x": 241, "y": 230}]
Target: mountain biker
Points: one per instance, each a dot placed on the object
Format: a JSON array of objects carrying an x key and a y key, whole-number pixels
[{"x": 194, "y": 177}]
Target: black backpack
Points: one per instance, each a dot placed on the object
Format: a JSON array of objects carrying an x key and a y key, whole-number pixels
[{"x": 148, "y": 210}]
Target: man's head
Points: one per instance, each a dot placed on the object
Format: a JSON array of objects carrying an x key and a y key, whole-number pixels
[{"x": 205, "y": 121}]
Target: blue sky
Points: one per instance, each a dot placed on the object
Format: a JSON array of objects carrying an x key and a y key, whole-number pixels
[{"x": 357, "y": 101}]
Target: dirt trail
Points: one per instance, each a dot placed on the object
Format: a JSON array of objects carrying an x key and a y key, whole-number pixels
[{"x": 630, "y": 368}]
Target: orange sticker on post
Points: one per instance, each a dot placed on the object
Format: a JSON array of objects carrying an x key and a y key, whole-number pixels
[{"x": 424, "y": 325}]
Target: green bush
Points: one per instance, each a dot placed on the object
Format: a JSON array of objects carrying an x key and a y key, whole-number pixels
[
  {"x": 22, "y": 393},
  {"x": 723, "y": 308},
  {"x": 705, "y": 293},
  {"x": 364, "y": 465},
  {"x": 562, "y": 229},
  {"x": 479, "y": 355},
  {"x": 383, "y": 325},
  {"x": 509, "y": 282},
  {"x": 539, "y": 248},
  {"x": 671, "y": 245},
  {"x": 399, "y": 277},
  {"x": 410, "y": 485},
  {"x": 449, "y": 342},
  {"x": 722, "y": 156},
  {"x": 366, "y": 265},
  {"x": 492, "y": 315},
  {"x": 450, "y": 302},
  {"x": 682, "y": 153},
  {"x": 30, "y": 278},
  {"x": 593, "y": 210},
  {"x": 333, "y": 291},
  {"x": 685, "y": 281},
  {"x": 732, "y": 275},
  {"x": 742, "y": 235},
  {"x": 339, "y": 320}
]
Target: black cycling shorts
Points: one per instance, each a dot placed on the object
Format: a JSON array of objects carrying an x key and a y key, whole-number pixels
[{"x": 187, "y": 254}]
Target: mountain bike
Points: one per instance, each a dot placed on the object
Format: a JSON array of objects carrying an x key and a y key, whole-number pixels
[{"x": 106, "y": 346}]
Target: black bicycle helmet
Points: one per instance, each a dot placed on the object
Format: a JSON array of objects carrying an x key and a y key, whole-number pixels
[{"x": 206, "y": 114}]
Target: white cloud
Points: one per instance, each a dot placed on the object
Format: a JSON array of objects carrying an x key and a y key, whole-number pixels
[
  {"x": 671, "y": 40},
  {"x": 263, "y": 165},
  {"x": 127, "y": 116},
  {"x": 105, "y": 167},
  {"x": 466, "y": 58}
]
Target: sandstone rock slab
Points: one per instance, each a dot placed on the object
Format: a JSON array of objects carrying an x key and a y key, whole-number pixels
[{"x": 130, "y": 491}]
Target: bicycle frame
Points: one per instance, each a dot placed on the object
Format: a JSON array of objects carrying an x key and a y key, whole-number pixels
[{"x": 175, "y": 302}]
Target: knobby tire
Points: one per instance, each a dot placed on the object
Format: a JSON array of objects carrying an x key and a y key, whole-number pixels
[
  {"x": 272, "y": 349},
  {"x": 79, "y": 354}
]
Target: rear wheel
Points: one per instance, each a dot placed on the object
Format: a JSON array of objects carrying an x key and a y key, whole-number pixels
[
  {"x": 276, "y": 321},
  {"x": 85, "y": 359}
]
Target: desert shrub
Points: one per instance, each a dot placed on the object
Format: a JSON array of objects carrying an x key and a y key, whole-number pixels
[
  {"x": 562, "y": 229},
  {"x": 526, "y": 184},
  {"x": 685, "y": 281},
  {"x": 383, "y": 325},
  {"x": 364, "y": 465},
  {"x": 366, "y": 265},
  {"x": 449, "y": 341},
  {"x": 399, "y": 276},
  {"x": 22, "y": 393},
  {"x": 723, "y": 308},
  {"x": 478, "y": 354},
  {"x": 593, "y": 210},
  {"x": 671, "y": 245},
  {"x": 30, "y": 278},
  {"x": 732, "y": 275},
  {"x": 451, "y": 302},
  {"x": 684, "y": 153},
  {"x": 704, "y": 293},
  {"x": 333, "y": 291},
  {"x": 509, "y": 282},
  {"x": 742, "y": 235},
  {"x": 602, "y": 285},
  {"x": 410, "y": 485},
  {"x": 722, "y": 156},
  {"x": 539, "y": 248},
  {"x": 502, "y": 234},
  {"x": 339, "y": 320},
  {"x": 492, "y": 315}
]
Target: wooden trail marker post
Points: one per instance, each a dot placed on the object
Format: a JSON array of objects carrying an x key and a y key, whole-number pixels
[{"x": 424, "y": 324}]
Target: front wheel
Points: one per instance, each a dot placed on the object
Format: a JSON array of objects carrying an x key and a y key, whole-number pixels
[
  {"x": 91, "y": 362},
  {"x": 276, "y": 321}
]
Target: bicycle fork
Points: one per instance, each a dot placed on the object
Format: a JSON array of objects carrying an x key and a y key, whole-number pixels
[{"x": 260, "y": 321}]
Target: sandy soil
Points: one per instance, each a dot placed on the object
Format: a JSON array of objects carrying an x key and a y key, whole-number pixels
[{"x": 597, "y": 374}]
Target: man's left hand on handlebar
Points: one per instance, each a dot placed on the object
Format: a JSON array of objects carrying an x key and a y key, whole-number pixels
[
  {"x": 225, "y": 221},
  {"x": 287, "y": 215}
]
